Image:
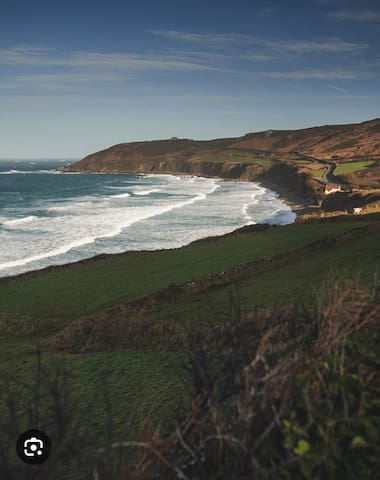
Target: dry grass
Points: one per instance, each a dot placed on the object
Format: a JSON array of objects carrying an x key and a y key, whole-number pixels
[{"x": 246, "y": 380}]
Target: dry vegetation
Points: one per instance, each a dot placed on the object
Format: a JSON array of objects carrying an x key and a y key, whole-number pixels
[
  {"x": 286, "y": 393},
  {"x": 280, "y": 394}
]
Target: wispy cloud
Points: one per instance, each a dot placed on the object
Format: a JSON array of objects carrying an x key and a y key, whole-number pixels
[
  {"x": 307, "y": 47},
  {"x": 318, "y": 75},
  {"x": 62, "y": 79},
  {"x": 36, "y": 56},
  {"x": 341, "y": 90},
  {"x": 210, "y": 40},
  {"x": 355, "y": 16},
  {"x": 206, "y": 39},
  {"x": 257, "y": 58},
  {"x": 37, "y": 68}
]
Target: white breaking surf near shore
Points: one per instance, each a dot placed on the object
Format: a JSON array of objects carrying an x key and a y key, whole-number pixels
[{"x": 146, "y": 212}]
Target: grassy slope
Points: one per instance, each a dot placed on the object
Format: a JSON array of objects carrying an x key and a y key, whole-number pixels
[
  {"x": 320, "y": 174},
  {"x": 142, "y": 382},
  {"x": 351, "y": 167},
  {"x": 282, "y": 285},
  {"x": 86, "y": 288},
  {"x": 235, "y": 156}
]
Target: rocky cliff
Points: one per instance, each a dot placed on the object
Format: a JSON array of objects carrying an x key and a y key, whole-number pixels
[
  {"x": 270, "y": 157},
  {"x": 277, "y": 176}
]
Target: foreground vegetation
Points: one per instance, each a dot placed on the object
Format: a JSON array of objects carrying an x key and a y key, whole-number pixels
[
  {"x": 282, "y": 393},
  {"x": 118, "y": 327},
  {"x": 289, "y": 393}
]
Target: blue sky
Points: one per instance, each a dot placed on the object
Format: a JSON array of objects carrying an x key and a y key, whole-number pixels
[{"x": 78, "y": 76}]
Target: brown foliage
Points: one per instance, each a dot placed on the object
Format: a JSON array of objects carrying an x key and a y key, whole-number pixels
[{"x": 244, "y": 375}]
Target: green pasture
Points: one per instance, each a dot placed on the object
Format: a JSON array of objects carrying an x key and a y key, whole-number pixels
[
  {"x": 320, "y": 174},
  {"x": 298, "y": 281},
  {"x": 351, "y": 167},
  {"x": 236, "y": 156},
  {"x": 80, "y": 289}
]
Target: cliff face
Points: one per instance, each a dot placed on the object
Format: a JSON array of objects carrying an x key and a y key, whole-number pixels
[
  {"x": 278, "y": 175},
  {"x": 110, "y": 163},
  {"x": 264, "y": 156}
]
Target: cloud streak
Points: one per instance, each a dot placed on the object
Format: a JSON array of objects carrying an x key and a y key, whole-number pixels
[
  {"x": 331, "y": 45},
  {"x": 39, "y": 68},
  {"x": 355, "y": 16},
  {"x": 36, "y": 56},
  {"x": 318, "y": 75}
]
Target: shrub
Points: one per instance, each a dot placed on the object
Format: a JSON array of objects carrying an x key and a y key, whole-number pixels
[{"x": 285, "y": 394}]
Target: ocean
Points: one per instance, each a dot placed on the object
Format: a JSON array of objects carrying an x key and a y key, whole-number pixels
[{"x": 50, "y": 218}]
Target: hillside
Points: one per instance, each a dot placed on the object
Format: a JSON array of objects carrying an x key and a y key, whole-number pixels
[
  {"x": 297, "y": 160},
  {"x": 331, "y": 142}
]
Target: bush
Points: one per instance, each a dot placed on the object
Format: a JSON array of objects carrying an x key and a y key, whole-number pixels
[
  {"x": 285, "y": 394},
  {"x": 292, "y": 393}
]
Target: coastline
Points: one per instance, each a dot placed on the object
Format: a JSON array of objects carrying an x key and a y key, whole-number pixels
[{"x": 298, "y": 204}]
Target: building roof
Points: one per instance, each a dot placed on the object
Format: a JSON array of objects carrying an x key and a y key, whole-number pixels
[{"x": 332, "y": 186}]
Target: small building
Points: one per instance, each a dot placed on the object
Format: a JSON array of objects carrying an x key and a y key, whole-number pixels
[
  {"x": 357, "y": 210},
  {"x": 332, "y": 188}
]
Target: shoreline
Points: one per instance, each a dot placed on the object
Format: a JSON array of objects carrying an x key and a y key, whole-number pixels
[{"x": 297, "y": 204}]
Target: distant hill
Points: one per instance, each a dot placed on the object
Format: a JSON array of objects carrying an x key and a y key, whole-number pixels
[
  {"x": 296, "y": 160},
  {"x": 330, "y": 142}
]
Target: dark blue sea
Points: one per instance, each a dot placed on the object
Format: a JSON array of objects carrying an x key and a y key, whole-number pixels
[{"x": 49, "y": 218}]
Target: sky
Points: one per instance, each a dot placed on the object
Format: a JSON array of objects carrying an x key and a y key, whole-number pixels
[{"x": 79, "y": 76}]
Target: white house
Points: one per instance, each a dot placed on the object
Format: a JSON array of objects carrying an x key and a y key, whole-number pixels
[{"x": 332, "y": 188}]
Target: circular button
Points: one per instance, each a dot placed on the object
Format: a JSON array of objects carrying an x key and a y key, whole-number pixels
[{"x": 33, "y": 447}]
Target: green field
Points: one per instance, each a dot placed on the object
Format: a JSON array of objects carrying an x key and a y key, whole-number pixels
[
  {"x": 236, "y": 156},
  {"x": 320, "y": 174},
  {"x": 302, "y": 162},
  {"x": 143, "y": 380},
  {"x": 84, "y": 288},
  {"x": 351, "y": 167}
]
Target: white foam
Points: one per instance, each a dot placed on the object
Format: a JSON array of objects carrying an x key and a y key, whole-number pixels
[
  {"x": 245, "y": 212},
  {"x": 52, "y": 253},
  {"x": 31, "y": 172},
  {"x": 145, "y": 192},
  {"x": 81, "y": 222},
  {"x": 112, "y": 232},
  {"x": 19, "y": 221},
  {"x": 121, "y": 195}
]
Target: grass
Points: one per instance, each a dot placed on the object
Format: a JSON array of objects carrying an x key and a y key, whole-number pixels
[
  {"x": 351, "y": 167},
  {"x": 320, "y": 174},
  {"x": 85, "y": 401},
  {"x": 85, "y": 288},
  {"x": 283, "y": 284},
  {"x": 141, "y": 380},
  {"x": 290, "y": 393},
  {"x": 236, "y": 156},
  {"x": 141, "y": 383},
  {"x": 372, "y": 207}
]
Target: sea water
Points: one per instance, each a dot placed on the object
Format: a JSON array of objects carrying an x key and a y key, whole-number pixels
[{"x": 52, "y": 218}]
